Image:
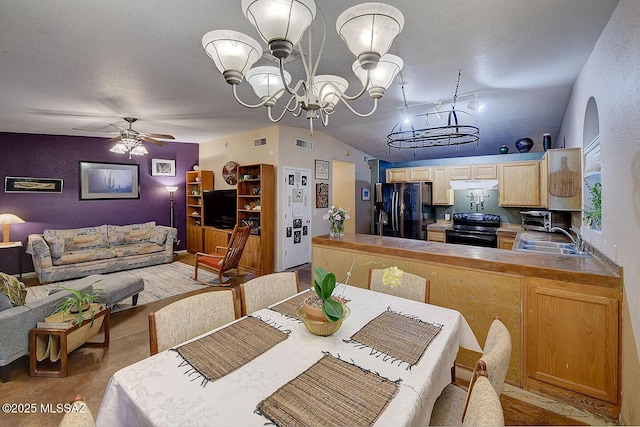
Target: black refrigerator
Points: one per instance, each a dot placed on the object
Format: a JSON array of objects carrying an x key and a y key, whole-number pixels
[{"x": 404, "y": 209}]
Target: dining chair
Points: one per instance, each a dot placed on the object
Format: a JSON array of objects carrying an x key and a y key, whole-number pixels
[
  {"x": 189, "y": 317},
  {"x": 411, "y": 287},
  {"x": 225, "y": 258},
  {"x": 484, "y": 407},
  {"x": 79, "y": 415},
  {"x": 263, "y": 291},
  {"x": 450, "y": 407}
]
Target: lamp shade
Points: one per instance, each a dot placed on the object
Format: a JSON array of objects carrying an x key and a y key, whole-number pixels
[
  {"x": 119, "y": 148},
  {"x": 382, "y": 76},
  {"x": 232, "y": 52},
  {"x": 266, "y": 81},
  {"x": 139, "y": 150},
  {"x": 325, "y": 86},
  {"x": 171, "y": 189},
  {"x": 6, "y": 220},
  {"x": 370, "y": 28},
  {"x": 280, "y": 19}
]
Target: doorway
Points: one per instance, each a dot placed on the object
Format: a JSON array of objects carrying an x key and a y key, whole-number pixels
[
  {"x": 343, "y": 183},
  {"x": 296, "y": 225}
]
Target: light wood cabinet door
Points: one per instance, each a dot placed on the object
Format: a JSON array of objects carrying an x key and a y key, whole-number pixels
[
  {"x": 398, "y": 175},
  {"x": 519, "y": 184},
  {"x": 460, "y": 172},
  {"x": 488, "y": 171},
  {"x": 436, "y": 236},
  {"x": 214, "y": 237},
  {"x": 420, "y": 174},
  {"x": 572, "y": 340},
  {"x": 506, "y": 243},
  {"x": 252, "y": 255},
  {"x": 442, "y": 191},
  {"x": 194, "y": 238}
]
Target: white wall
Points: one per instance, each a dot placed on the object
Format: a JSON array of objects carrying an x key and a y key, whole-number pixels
[
  {"x": 281, "y": 151},
  {"x": 612, "y": 77}
]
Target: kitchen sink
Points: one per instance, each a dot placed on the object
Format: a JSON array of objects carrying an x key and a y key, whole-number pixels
[{"x": 551, "y": 247}]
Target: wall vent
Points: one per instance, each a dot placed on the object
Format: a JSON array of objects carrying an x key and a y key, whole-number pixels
[
  {"x": 304, "y": 144},
  {"x": 259, "y": 142}
]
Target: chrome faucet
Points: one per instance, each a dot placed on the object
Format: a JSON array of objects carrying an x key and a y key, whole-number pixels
[{"x": 577, "y": 241}]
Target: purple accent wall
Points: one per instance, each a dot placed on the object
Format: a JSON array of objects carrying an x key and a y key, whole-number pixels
[{"x": 56, "y": 156}]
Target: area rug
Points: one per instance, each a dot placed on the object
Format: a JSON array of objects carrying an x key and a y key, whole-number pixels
[{"x": 160, "y": 282}]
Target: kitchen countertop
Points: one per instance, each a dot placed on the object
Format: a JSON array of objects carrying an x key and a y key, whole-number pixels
[{"x": 588, "y": 270}]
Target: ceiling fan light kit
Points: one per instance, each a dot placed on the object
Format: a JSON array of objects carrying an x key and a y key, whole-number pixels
[{"x": 368, "y": 29}]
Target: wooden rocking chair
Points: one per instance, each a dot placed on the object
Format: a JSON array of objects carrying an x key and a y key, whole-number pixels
[{"x": 225, "y": 258}]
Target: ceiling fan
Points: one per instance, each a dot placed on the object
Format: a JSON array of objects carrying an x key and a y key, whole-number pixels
[{"x": 129, "y": 139}]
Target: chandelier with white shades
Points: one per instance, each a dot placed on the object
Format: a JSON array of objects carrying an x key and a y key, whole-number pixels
[{"x": 368, "y": 29}]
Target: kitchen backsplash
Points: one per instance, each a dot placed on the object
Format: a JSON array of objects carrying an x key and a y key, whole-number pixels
[{"x": 485, "y": 201}]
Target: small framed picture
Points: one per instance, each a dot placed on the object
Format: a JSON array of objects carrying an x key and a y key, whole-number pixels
[
  {"x": 365, "y": 194},
  {"x": 322, "y": 169},
  {"x": 161, "y": 167}
]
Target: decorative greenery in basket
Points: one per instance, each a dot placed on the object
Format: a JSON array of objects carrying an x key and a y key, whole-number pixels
[{"x": 80, "y": 302}]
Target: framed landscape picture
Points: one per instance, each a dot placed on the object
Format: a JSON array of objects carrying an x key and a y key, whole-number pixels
[
  {"x": 161, "y": 167},
  {"x": 101, "y": 181}
]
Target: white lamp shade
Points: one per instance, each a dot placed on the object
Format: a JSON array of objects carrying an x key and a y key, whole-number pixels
[
  {"x": 10, "y": 219},
  {"x": 119, "y": 148},
  {"x": 266, "y": 81},
  {"x": 382, "y": 76},
  {"x": 280, "y": 19},
  {"x": 325, "y": 87},
  {"x": 370, "y": 27},
  {"x": 231, "y": 50},
  {"x": 139, "y": 150},
  {"x": 171, "y": 189}
]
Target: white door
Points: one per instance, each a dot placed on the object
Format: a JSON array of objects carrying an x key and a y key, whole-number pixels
[{"x": 297, "y": 216}]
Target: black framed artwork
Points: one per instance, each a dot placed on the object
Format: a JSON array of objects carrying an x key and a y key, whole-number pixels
[{"x": 104, "y": 181}]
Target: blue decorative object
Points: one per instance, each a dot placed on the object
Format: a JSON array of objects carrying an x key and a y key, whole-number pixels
[
  {"x": 524, "y": 145},
  {"x": 504, "y": 149}
]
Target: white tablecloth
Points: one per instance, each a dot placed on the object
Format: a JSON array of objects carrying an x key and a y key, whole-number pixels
[{"x": 156, "y": 391}]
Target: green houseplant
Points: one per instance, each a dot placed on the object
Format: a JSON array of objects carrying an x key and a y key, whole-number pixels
[
  {"x": 80, "y": 302},
  {"x": 593, "y": 216}
]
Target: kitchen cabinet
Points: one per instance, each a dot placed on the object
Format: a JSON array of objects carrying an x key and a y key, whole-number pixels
[
  {"x": 398, "y": 175},
  {"x": 484, "y": 171},
  {"x": 460, "y": 172},
  {"x": 436, "y": 236},
  {"x": 421, "y": 174},
  {"x": 519, "y": 184},
  {"x": 572, "y": 342},
  {"x": 561, "y": 179},
  {"x": 442, "y": 191}
]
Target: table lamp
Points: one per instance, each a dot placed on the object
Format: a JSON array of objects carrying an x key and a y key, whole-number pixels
[{"x": 6, "y": 219}]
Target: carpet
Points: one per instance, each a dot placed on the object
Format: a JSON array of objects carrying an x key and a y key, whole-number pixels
[{"x": 160, "y": 282}]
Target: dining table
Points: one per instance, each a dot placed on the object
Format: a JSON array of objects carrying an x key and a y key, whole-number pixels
[{"x": 386, "y": 365}]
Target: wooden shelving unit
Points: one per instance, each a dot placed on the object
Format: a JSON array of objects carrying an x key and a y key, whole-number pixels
[
  {"x": 256, "y": 203},
  {"x": 196, "y": 183}
]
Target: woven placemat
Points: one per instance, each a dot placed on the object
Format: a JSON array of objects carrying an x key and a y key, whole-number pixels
[
  {"x": 224, "y": 351},
  {"x": 289, "y": 307},
  {"x": 331, "y": 392},
  {"x": 399, "y": 336}
]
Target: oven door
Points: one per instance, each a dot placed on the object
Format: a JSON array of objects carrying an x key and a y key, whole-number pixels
[{"x": 471, "y": 238}]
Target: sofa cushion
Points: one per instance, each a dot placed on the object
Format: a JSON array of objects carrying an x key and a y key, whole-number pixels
[
  {"x": 158, "y": 236},
  {"x": 127, "y": 234},
  {"x": 56, "y": 245},
  {"x": 81, "y": 238},
  {"x": 137, "y": 249},
  {"x": 75, "y": 257},
  {"x": 4, "y": 302}
]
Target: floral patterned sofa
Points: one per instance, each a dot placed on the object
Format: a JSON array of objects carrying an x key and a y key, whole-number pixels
[{"x": 66, "y": 254}]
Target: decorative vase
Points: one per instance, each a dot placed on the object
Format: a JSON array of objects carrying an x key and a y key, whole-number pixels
[
  {"x": 337, "y": 230},
  {"x": 504, "y": 149},
  {"x": 546, "y": 141},
  {"x": 524, "y": 144}
]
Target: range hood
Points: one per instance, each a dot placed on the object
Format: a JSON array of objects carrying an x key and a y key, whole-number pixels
[{"x": 474, "y": 184}]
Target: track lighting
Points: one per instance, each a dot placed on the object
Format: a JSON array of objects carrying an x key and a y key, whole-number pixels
[{"x": 475, "y": 105}]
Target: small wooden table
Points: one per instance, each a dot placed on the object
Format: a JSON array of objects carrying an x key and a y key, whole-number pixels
[{"x": 69, "y": 339}]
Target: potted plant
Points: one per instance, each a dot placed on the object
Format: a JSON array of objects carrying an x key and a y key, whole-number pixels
[{"x": 80, "y": 303}]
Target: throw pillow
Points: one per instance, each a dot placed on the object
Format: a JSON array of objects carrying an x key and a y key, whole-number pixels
[
  {"x": 56, "y": 244},
  {"x": 4, "y": 302},
  {"x": 14, "y": 289},
  {"x": 158, "y": 237}
]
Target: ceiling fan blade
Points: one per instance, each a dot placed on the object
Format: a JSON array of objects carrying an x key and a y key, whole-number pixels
[
  {"x": 118, "y": 127},
  {"x": 153, "y": 141},
  {"x": 116, "y": 138},
  {"x": 160, "y": 135},
  {"x": 96, "y": 130}
]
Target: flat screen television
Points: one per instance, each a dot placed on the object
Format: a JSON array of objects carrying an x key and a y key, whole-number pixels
[{"x": 220, "y": 208}]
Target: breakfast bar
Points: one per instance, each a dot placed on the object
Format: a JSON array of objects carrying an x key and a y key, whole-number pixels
[{"x": 541, "y": 298}]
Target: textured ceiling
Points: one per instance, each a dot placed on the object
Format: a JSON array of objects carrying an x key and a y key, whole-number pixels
[{"x": 66, "y": 64}]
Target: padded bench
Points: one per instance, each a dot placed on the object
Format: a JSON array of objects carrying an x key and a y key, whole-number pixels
[{"x": 116, "y": 289}]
